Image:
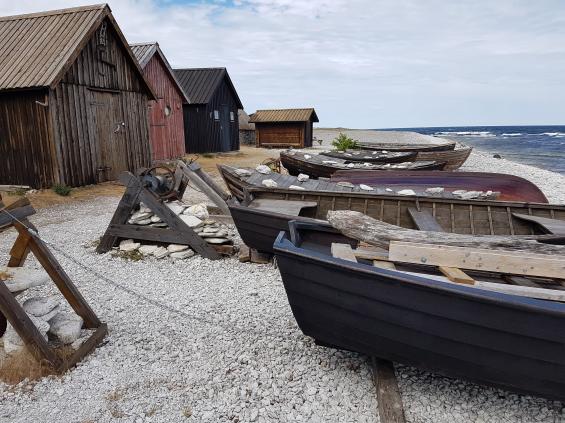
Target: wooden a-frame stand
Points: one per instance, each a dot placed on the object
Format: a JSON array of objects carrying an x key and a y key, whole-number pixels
[
  {"x": 177, "y": 232},
  {"x": 11, "y": 309}
]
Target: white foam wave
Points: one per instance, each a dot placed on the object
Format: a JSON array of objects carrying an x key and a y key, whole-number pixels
[
  {"x": 512, "y": 134},
  {"x": 554, "y": 134},
  {"x": 466, "y": 133}
]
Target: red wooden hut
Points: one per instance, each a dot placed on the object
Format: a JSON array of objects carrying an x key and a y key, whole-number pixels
[{"x": 166, "y": 126}]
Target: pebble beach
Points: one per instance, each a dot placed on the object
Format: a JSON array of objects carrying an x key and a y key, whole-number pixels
[{"x": 215, "y": 341}]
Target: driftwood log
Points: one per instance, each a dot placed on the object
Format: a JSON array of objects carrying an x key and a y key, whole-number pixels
[{"x": 358, "y": 226}]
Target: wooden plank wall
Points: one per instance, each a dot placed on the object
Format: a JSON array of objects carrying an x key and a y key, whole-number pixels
[
  {"x": 27, "y": 152},
  {"x": 73, "y": 115},
  {"x": 280, "y": 134},
  {"x": 202, "y": 132},
  {"x": 166, "y": 132}
]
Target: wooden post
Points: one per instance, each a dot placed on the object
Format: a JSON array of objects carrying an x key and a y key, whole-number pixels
[
  {"x": 389, "y": 401},
  {"x": 202, "y": 185}
]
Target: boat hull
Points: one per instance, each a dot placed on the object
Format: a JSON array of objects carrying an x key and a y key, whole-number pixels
[
  {"x": 496, "y": 339},
  {"x": 453, "y": 159},
  {"x": 368, "y": 157},
  {"x": 511, "y": 188},
  {"x": 408, "y": 147}
]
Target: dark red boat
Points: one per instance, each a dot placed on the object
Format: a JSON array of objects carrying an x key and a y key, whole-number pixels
[{"x": 510, "y": 187}]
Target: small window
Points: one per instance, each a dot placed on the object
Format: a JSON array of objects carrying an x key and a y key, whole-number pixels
[
  {"x": 231, "y": 116},
  {"x": 216, "y": 115},
  {"x": 168, "y": 111}
]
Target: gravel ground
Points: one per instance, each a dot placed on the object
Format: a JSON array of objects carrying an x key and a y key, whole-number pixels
[{"x": 232, "y": 351}]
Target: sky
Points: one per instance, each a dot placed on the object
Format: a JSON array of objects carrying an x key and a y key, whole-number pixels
[{"x": 366, "y": 63}]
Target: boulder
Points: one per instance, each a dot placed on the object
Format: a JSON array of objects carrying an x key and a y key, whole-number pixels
[
  {"x": 40, "y": 306},
  {"x": 176, "y": 248},
  {"x": 22, "y": 278},
  {"x": 191, "y": 221},
  {"x": 198, "y": 210},
  {"x": 66, "y": 327}
]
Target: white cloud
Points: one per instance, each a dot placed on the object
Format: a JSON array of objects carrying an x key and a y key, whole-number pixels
[{"x": 367, "y": 63}]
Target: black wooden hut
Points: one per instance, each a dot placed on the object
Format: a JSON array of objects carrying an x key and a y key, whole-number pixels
[
  {"x": 210, "y": 118},
  {"x": 73, "y": 99}
]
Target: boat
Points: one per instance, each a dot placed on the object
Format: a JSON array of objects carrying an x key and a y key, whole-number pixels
[
  {"x": 239, "y": 179},
  {"x": 317, "y": 166},
  {"x": 453, "y": 159},
  {"x": 265, "y": 212},
  {"x": 439, "y": 146},
  {"x": 491, "y": 338},
  {"x": 510, "y": 187},
  {"x": 372, "y": 156}
]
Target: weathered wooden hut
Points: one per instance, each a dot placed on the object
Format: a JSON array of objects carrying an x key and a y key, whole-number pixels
[
  {"x": 246, "y": 129},
  {"x": 73, "y": 99},
  {"x": 210, "y": 118},
  {"x": 284, "y": 127},
  {"x": 166, "y": 130}
]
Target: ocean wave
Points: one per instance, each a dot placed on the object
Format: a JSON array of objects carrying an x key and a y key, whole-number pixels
[
  {"x": 512, "y": 134},
  {"x": 465, "y": 133},
  {"x": 554, "y": 134}
]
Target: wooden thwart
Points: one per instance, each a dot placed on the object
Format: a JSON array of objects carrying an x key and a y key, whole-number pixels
[
  {"x": 456, "y": 275},
  {"x": 424, "y": 220},
  {"x": 511, "y": 262},
  {"x": 289, "y": 207},
  {"x": 343, "y": 251}
]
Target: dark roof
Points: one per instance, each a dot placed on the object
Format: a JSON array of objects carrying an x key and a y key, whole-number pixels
[
  {"x": 284, "y": 115},
  {"x": 143, "y": 52},
  {"x": 200, "y": 84},
  {"x": 38, "y": 48}
]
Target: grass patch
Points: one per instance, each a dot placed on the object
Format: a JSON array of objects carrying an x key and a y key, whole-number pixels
[
  {"x": 134, "y": 255},
  {"x": 62, "y": 189},
  {"x": 22, "y": 365},
  {"x": 208, "y": 155}
]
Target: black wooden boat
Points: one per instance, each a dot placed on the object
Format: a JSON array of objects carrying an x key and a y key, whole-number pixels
[
  {"x": 445, "y": 145},
  {"x": 238, "y": 182},
  {"x": 317, "y": 166},
  {"x": 372, "y": 156},
  {"x": 510, "y": 187},
  {"x": 265, "y": 212},
  {"x": 453, "y": 159},
  {"x": 491, "y": 338}
]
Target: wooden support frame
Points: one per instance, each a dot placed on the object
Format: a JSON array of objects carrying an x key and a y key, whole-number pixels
[
  {"x": 177, "y": 232},
  {"x": 26, "y": 241}
]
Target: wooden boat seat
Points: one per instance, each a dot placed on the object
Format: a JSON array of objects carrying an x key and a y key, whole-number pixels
[
  {"x": 424, "y": 220},
  {"x": 289, "y": 207},
  {"x": 552, "y": 226}
]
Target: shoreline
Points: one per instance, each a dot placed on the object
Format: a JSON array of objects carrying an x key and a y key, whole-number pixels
[{"x": 551, "y": 183}]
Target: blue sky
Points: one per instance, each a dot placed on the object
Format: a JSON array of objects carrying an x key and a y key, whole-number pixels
[{"x": 367, "y": 64}]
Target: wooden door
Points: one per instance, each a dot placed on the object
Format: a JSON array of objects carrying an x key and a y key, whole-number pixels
[
  {"x": 225, "y": 128},
  {"x": 107, "y": 134}
]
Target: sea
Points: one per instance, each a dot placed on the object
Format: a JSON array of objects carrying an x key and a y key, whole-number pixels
[{"x": 540, "y": 146}]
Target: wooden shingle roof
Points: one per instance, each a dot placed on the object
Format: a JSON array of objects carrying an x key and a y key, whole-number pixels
[
  {"x": 143, "y": 52},
  {"x": 200, "y": 84},
  {"x": 38, "y": 48},
  {"x": 284, "y": 115}
]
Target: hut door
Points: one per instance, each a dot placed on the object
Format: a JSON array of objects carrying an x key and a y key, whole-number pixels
[
  {"x": 107, "y": 132},
  {"x": 225, "y": 128}
]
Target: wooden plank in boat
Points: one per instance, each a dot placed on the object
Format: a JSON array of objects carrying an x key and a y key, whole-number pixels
[
  {"x": 424, "y": 220},
  {"x": 289, "y": 207},
  {"x": 371, "y": 253},
  {"x": 553, "y": 226},
  {"x": 456, "y": 275},
  {"x": 343, "y": 251},
  {"x": 384, "y": 264},
  {"x": 512, "y": 262}
]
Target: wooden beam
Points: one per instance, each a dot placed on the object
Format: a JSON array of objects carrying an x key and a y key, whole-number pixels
[
  {"x": 195, "y": 179},
  {"x": 424, "y": 220},
  {"x": 384, "y": 264},
  {"x": 371, "y": 253},
  {"x": 86, "y": 348},
  {"x": 389, "y": 400},
  {"x": 511, "y": 262},
  {"x": 343, "y": 251},
  {"x": 148, "y": 233},
  {"x": 456, "y": 275},
  {"x": 196, "y": 168}
]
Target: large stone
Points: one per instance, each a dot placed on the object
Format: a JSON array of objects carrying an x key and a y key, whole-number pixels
[
  {"x": 161, "y": 252},
  {"x": 216, "y": 240},
  {"x": 140, "y": 216},
  {"x": 66, "y": 327},
  {"x": 128, "y": 245},
  {"x": 296, "y": 187},
  {"x": 175, "y": 248},
  {"x": 142, "y": 222},
  {"x": 435, "y": 190},
  {"x": 155, "y": 219},
  {"x": 243, "y": 172},
  {"x": 302, "y": 177},
  {"x": 12, "y": 341},
  {"x": 191, "y": 221},
  {"x": 365, "y": 187},
  {"x": 198, "y": 210},
  {"x": 40, "y": 306},
  {"x": 22, "y": 278},
  {"x": 220, "y": 233},
  {"x": 181, "y": 255},
  {"x": 406, "y": 192},
  {"x": 269, "y": 183},
  {"x": 265, "y": 170},
  {"x": 147, "y": 250}
]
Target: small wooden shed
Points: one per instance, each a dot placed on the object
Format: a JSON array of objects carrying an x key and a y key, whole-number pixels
[
  {"x": 279, "y": 128},
  {"x": 73, "y": 99},
  {"x": 166, "y": 128},
  {"x": 210, "y": 118}
]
